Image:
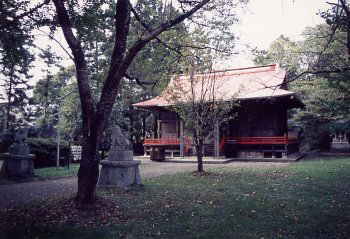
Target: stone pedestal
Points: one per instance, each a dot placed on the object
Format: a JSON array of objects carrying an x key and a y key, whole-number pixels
[
  {"x": 17, "y": 166},
  {"x": 120, "y": 174},
  {"x": 119, "y": 170}
]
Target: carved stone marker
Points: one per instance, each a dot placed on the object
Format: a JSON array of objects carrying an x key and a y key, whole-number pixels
[
  {"x": 119, "y": 170},
  {"x": 18, "y": 162}
]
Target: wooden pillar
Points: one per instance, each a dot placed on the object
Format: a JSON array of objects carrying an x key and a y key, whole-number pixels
[
  {"x": 216, "y": 140},
  {"x": 159, "y": 134},
  {"x": 143, "y": 126},
  {"x": 182, "y": 146},
  {"x": 154, "y": 125},
  {"x": 285, "y": 154}
]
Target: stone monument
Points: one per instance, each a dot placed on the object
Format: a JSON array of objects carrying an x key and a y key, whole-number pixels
[
  {"x": 18, "y": 161},
  {"x": 119, "y": 169}
]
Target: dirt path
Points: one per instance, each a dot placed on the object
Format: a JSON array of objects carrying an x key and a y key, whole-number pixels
[{"x": 25, "y": 193}]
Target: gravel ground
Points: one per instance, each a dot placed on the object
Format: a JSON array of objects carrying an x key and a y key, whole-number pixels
[{"x": 18, "y": 194}]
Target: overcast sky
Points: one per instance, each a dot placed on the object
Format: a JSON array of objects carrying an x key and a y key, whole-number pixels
[{"x": 266, "y": 20}]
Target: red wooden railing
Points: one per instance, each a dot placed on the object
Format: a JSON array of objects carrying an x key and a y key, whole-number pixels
[
  {"x": 168, "y": 141},
  {"x": 276, "y": 140}
]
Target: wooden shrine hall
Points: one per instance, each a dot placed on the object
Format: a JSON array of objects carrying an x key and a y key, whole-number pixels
[{"x": 260, "y": 129}]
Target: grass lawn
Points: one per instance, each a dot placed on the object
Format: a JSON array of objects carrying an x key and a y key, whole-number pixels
[
  {"x": 57, "y": 172},
  {"x": 308, "y": 199}
]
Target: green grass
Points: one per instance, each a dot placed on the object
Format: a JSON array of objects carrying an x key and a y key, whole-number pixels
[
  {"x": 308, "y": 199},
  {"x": 57, "y": 172}
]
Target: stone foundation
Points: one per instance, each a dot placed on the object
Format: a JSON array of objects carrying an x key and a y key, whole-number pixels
[
  {"x": 120, "y": 174},
  {"x": 17, "y": 166},
  {"x": 261, "y": 155},
  {"x": 250, "y": 154}
]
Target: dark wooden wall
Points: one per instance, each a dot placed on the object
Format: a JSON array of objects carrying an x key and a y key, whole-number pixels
[
  {"x": 169, "y": 124},
  {"x": 256, "y": 118},
  {"x": 259, "y": 118}
]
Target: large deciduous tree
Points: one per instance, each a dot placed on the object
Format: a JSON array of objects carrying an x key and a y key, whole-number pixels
[{"x": 216, "y": 15}]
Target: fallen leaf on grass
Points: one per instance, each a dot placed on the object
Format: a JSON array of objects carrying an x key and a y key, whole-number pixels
[{"x": 63, "y": 212}]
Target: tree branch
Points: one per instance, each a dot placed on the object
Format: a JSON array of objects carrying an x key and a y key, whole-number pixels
[
  {"x": 86, "y": 98},
  {"x": 58, "y": 42},
  {"x": 120, "y": 64},
  {"x": 345, "y": 7},
  {"x": 318, "y": 72},
  {"x": 122, "y": 23},
  {"x": 157, "y": 31},
  {"x": 138, "y": 18},
  {"x": 167, "y": 25}
]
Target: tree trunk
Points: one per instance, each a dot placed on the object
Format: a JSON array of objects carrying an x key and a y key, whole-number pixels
[
  {"x": 200, "y": 157},
  {"x": 87, "y": 180},
  {"x": 89, "y": 168},
  {"x": 9, "y": 105}
]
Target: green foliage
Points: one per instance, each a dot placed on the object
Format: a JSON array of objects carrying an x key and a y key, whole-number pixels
[
  {"x": 19, "y": 18},
  {"x": 45, "y": 151},
  {"x": 149, "y": 72},
  {"x": 48, "y": 94},
  {"x": 15, "y": 37},
  {"x": 325, "y": 95},
  {"x": 316, "y": 133},
  {"x": 324, "y": 108},
  {"x": 57, "y": 102},
  {"x": 283, "y": 51},
  {"x": 337, "y": 18},
  {"x": 146, "y": 76},
  {"x": 324, "y": 48},
  {"x": 160, "y": 58},
  {"x": 70, "y": 112}
]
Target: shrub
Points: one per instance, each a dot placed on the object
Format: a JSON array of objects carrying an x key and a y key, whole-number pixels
[
  {"x": 6, "y": 139},
  {"x": 316, "y": 132},
  {"x": 45, "y": 151}
]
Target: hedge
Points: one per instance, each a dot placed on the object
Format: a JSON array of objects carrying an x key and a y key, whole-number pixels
[{"x": 45, "y": 151}]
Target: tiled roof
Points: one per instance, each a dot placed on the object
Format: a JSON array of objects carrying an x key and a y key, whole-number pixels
[{"x": 242, "y": 83}]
